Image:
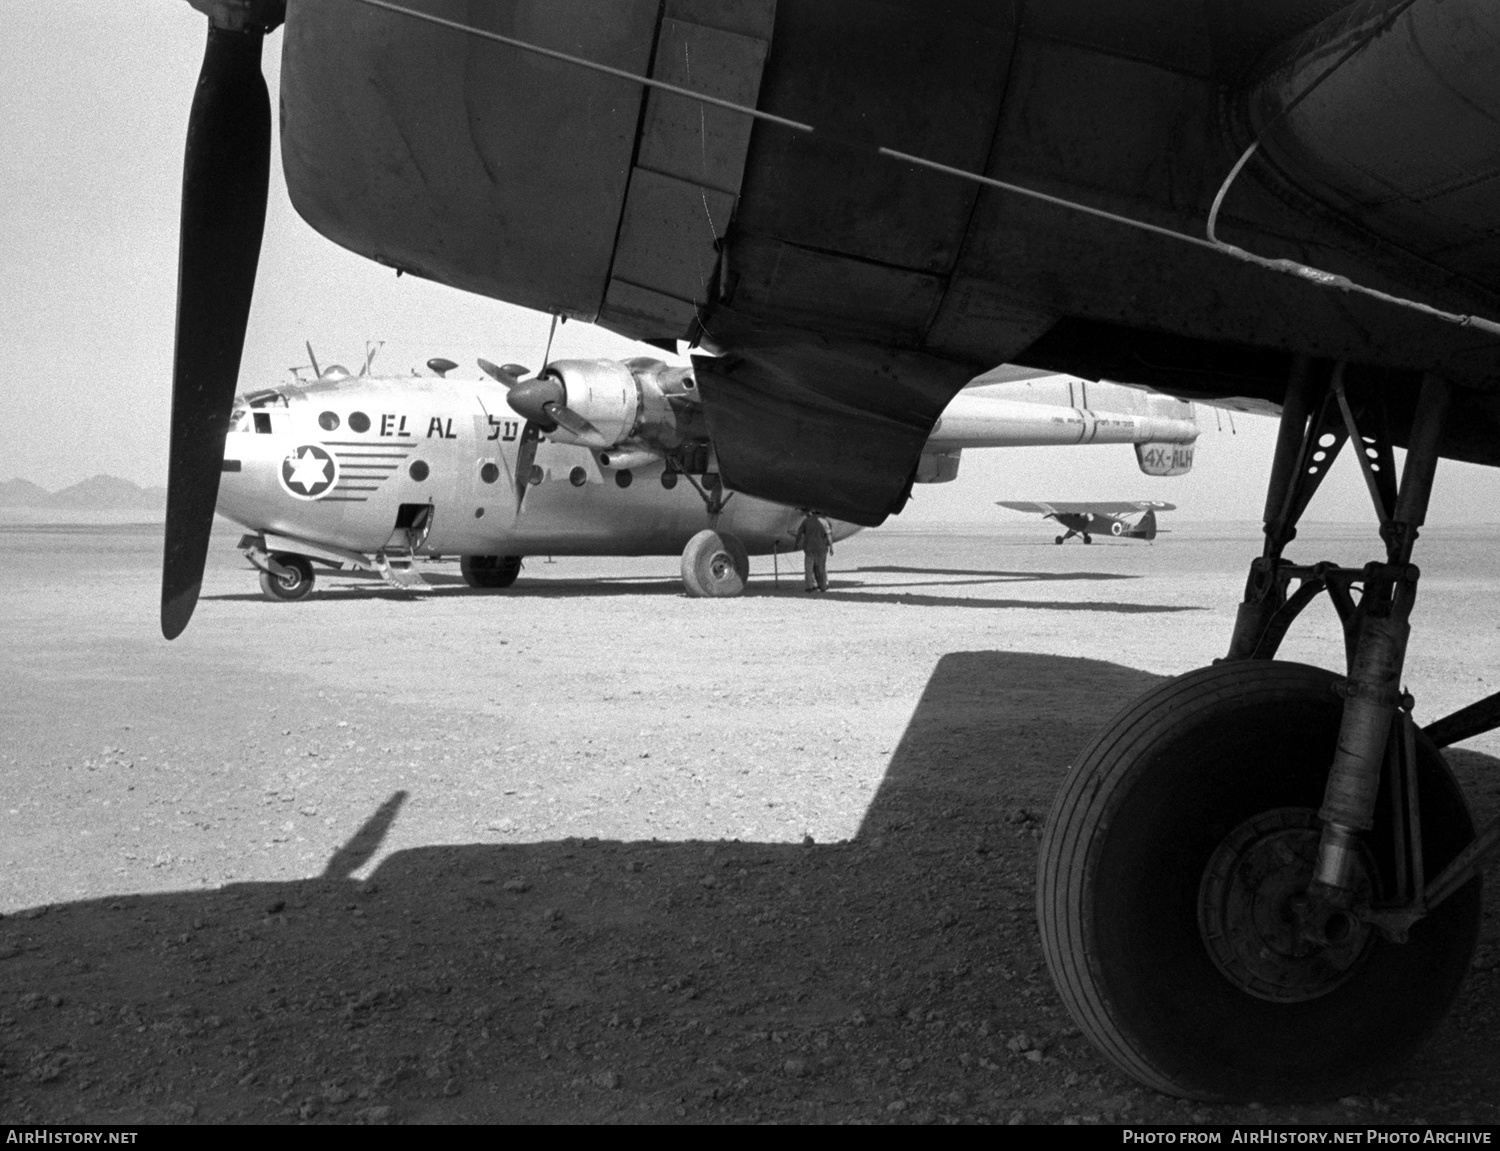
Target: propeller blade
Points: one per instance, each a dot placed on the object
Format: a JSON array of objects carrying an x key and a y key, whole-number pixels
[
  {"x": 317, "y": 371},
  {"x": 525, "y": 460},
  {"x": 226, "y": 167},
  {"x": 510, "y": 375},
  {"x": 370, "y": 350},
  {"x": 571, "y": 421}
]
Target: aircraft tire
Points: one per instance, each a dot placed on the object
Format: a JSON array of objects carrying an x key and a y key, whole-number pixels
[
  {"x": 294, "y": 585},
  {"x": 489, "y": 573},
  {"x": 1088, "y": 539},
  {"x": 736, "y": 549},
  {"x": 714, "y": 565},
  {"x": 1192, "y": 812},
  {"x": 1058, "y": 540}
]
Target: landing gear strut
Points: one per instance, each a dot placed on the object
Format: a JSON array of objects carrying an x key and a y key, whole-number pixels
[
  {"x": 1261, "y": 881},
  {"x": 715, "y": 564}
]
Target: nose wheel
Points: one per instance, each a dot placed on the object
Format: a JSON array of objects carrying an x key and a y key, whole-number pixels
[
  {"x": 289, "y": 578},
  {"x": 1170, "y": 894}
]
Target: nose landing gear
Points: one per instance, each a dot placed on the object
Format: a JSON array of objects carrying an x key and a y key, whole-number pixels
[
  {"x": 1233, "y": 886},
  {"x": 286, "y": 577}
]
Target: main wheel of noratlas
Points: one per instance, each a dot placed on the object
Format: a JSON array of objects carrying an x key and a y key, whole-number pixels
[
  {"x": 294, "y": 581},
  {"x": 489, "y": 572},
  {"x": 715, "y": 564},
  {"x": 1171, "y": 870}
]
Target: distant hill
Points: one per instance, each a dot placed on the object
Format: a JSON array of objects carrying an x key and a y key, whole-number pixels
[
  {"x": 99, "y": 493},
  {"x": 22, "y": 494}
]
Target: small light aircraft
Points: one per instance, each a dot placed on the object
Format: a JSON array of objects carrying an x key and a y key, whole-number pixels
[
  {"x": 1123, "y": 519},
  {"x": 589, "y": 457}
]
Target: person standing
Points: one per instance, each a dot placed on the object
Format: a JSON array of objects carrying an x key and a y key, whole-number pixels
[{"x": 813, "y": 539}]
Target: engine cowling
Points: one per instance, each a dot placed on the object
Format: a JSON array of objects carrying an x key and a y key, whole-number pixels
[{"x": 603, "y": 392}]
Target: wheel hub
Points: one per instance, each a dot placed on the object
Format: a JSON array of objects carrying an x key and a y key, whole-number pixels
[{"x": 1248, "y": 911}]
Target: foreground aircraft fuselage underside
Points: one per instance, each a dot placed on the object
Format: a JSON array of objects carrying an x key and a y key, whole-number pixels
[
  {"x": 848, "y": 289},
  {"x": 1261, "y": 881}
]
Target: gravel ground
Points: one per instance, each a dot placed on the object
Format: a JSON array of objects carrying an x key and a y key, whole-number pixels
[{"x": 589, "y": 850}]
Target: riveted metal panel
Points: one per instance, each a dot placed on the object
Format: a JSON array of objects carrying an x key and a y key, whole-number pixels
[
  {"x": 827, "y": 291},
  {"x": 481, "y": 166},
  {"x": 695, "y": 141},
  {"x": 652, "y": 314},
  {"x": 921, "y": 77},
  {"x": 668, "y": 234}
]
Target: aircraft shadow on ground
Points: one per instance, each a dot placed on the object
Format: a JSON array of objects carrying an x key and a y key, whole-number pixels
[
  {"x": 453, "y": 586},
  {"x": 998, "y": 575},
  {"x": 522, "y": 589},
  {"x": 596, "y": 979},
  {"x": 917, "y": 599}
]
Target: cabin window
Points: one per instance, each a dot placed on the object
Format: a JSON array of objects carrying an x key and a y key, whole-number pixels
[
  {"x": 418, "y": 470},
  {"x": 623, "y": 477},
  {"x": 329, "y": 421},
  {"x": 263, "y": 423},
  {"x": 669, "y": 480},
  {"x": 578, "y": 477},
  {"x": 489, "y": 473},
  {"x": 359, "y": 422}
]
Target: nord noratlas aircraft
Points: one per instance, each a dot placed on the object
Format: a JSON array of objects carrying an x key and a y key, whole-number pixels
[{"x": 588, "y": 457}]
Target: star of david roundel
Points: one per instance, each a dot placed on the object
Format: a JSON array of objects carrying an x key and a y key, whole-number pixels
[{"x": 308, "y": 472}]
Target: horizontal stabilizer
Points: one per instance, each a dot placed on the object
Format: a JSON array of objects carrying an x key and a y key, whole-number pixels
[{"x": 1164, "y": 459}]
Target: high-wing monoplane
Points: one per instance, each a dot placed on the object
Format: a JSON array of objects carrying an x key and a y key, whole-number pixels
[
  {"x": 1123, "y": 519},
  {"x": 1269, "y": 885},
  {"x": 587, "y": 457}
]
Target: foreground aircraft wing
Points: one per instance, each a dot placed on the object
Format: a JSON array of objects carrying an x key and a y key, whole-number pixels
[{"x": 849, "y": 235}]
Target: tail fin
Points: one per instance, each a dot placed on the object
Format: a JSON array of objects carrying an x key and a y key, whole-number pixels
[
  {"x": 1164, "y": 459},
  {"x": 1145, "y": 528}
]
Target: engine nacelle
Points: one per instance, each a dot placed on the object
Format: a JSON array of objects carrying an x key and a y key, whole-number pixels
[
  {"x": 638, "y": 404},
  {"x": 601, "y": 391}
]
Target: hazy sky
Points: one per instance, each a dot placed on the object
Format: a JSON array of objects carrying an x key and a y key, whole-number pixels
[{"x": 95, "y": 102}]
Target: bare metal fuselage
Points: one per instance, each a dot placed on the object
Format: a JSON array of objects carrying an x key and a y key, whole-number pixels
[{"x": 451, "y": 445}]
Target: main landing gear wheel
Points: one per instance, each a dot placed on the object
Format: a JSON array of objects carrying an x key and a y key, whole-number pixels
[
  {"x": 295, "y": 584},
  {"x": 1088, "y": 539},
  {"x": 1171, "y": 860},
  {"x": 489, "y": 572},
  {"x": 1058, "y": 540},
  {"x": 715, "y": 564}
]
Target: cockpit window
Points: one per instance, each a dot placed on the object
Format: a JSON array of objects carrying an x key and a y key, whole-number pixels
[{"x": 263, "y": 423}]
